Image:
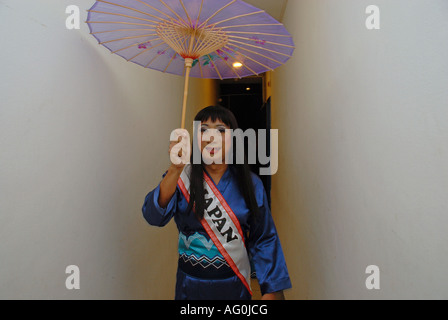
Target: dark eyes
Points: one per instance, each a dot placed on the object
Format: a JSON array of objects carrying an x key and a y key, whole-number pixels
[{"x": 221, "y": 130}]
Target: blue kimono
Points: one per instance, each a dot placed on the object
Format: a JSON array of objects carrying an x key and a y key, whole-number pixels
[{"x": 203, "y": 273}]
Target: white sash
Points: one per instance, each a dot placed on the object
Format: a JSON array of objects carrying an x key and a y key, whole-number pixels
[{"x": 222, "y": 226}]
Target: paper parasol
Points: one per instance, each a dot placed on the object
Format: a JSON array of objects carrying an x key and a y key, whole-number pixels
[{"x": 216, "y": 39}]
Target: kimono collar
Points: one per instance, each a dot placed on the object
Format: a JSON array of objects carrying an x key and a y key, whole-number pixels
[{"x": 225, "y": 179}]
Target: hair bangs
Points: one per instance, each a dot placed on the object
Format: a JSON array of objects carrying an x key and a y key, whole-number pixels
[{"x": 217, "y": 113}]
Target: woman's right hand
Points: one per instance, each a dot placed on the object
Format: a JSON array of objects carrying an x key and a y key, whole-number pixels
[
  {"x": 179, "y": 155},
  {"x": 179, "y": 150}
]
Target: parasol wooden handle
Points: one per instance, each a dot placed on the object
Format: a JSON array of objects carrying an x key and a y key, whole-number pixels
[{"x": 188, "y": 65}]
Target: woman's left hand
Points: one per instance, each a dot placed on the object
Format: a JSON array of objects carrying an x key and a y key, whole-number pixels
[{"x": 273, "y": 296}]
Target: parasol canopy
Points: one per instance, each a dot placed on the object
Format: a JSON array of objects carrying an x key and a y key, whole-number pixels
[{"x": 217, "y": 39}]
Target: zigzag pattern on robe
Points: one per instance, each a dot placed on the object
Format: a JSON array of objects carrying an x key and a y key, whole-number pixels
[
  {"x": 200, "y": 251},
  {"x": 204, "y": 261}
]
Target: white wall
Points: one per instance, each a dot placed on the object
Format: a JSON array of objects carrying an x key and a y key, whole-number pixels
[
  {"x": 83, "y": 138},
  {"x": 363, "y": 169}
]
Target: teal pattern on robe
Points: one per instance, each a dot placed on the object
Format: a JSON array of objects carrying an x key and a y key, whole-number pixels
[{"x": 198, "y": 250}]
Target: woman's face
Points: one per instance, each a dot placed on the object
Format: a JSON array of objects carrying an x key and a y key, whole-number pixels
[{"x": 217, "y": 142}]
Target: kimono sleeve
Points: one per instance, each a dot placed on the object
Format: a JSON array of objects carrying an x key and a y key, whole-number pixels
[
  {"x": 156, "y": 215},
  {"x": 265, "y": 249}
]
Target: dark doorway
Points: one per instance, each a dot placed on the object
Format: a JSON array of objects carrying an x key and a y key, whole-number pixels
[{"x": 244, "y": 97}]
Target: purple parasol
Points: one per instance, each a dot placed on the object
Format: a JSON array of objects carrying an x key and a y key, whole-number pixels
[{"x": 216, "y": 39}]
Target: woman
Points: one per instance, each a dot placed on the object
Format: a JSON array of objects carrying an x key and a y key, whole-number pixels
[{"x": 222, "y": 214}]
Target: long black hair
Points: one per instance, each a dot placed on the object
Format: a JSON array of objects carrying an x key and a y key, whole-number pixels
[{"x": 243, "y": 172}]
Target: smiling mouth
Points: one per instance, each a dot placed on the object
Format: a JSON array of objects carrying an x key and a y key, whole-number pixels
[{"x": 213, "y": 150}]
